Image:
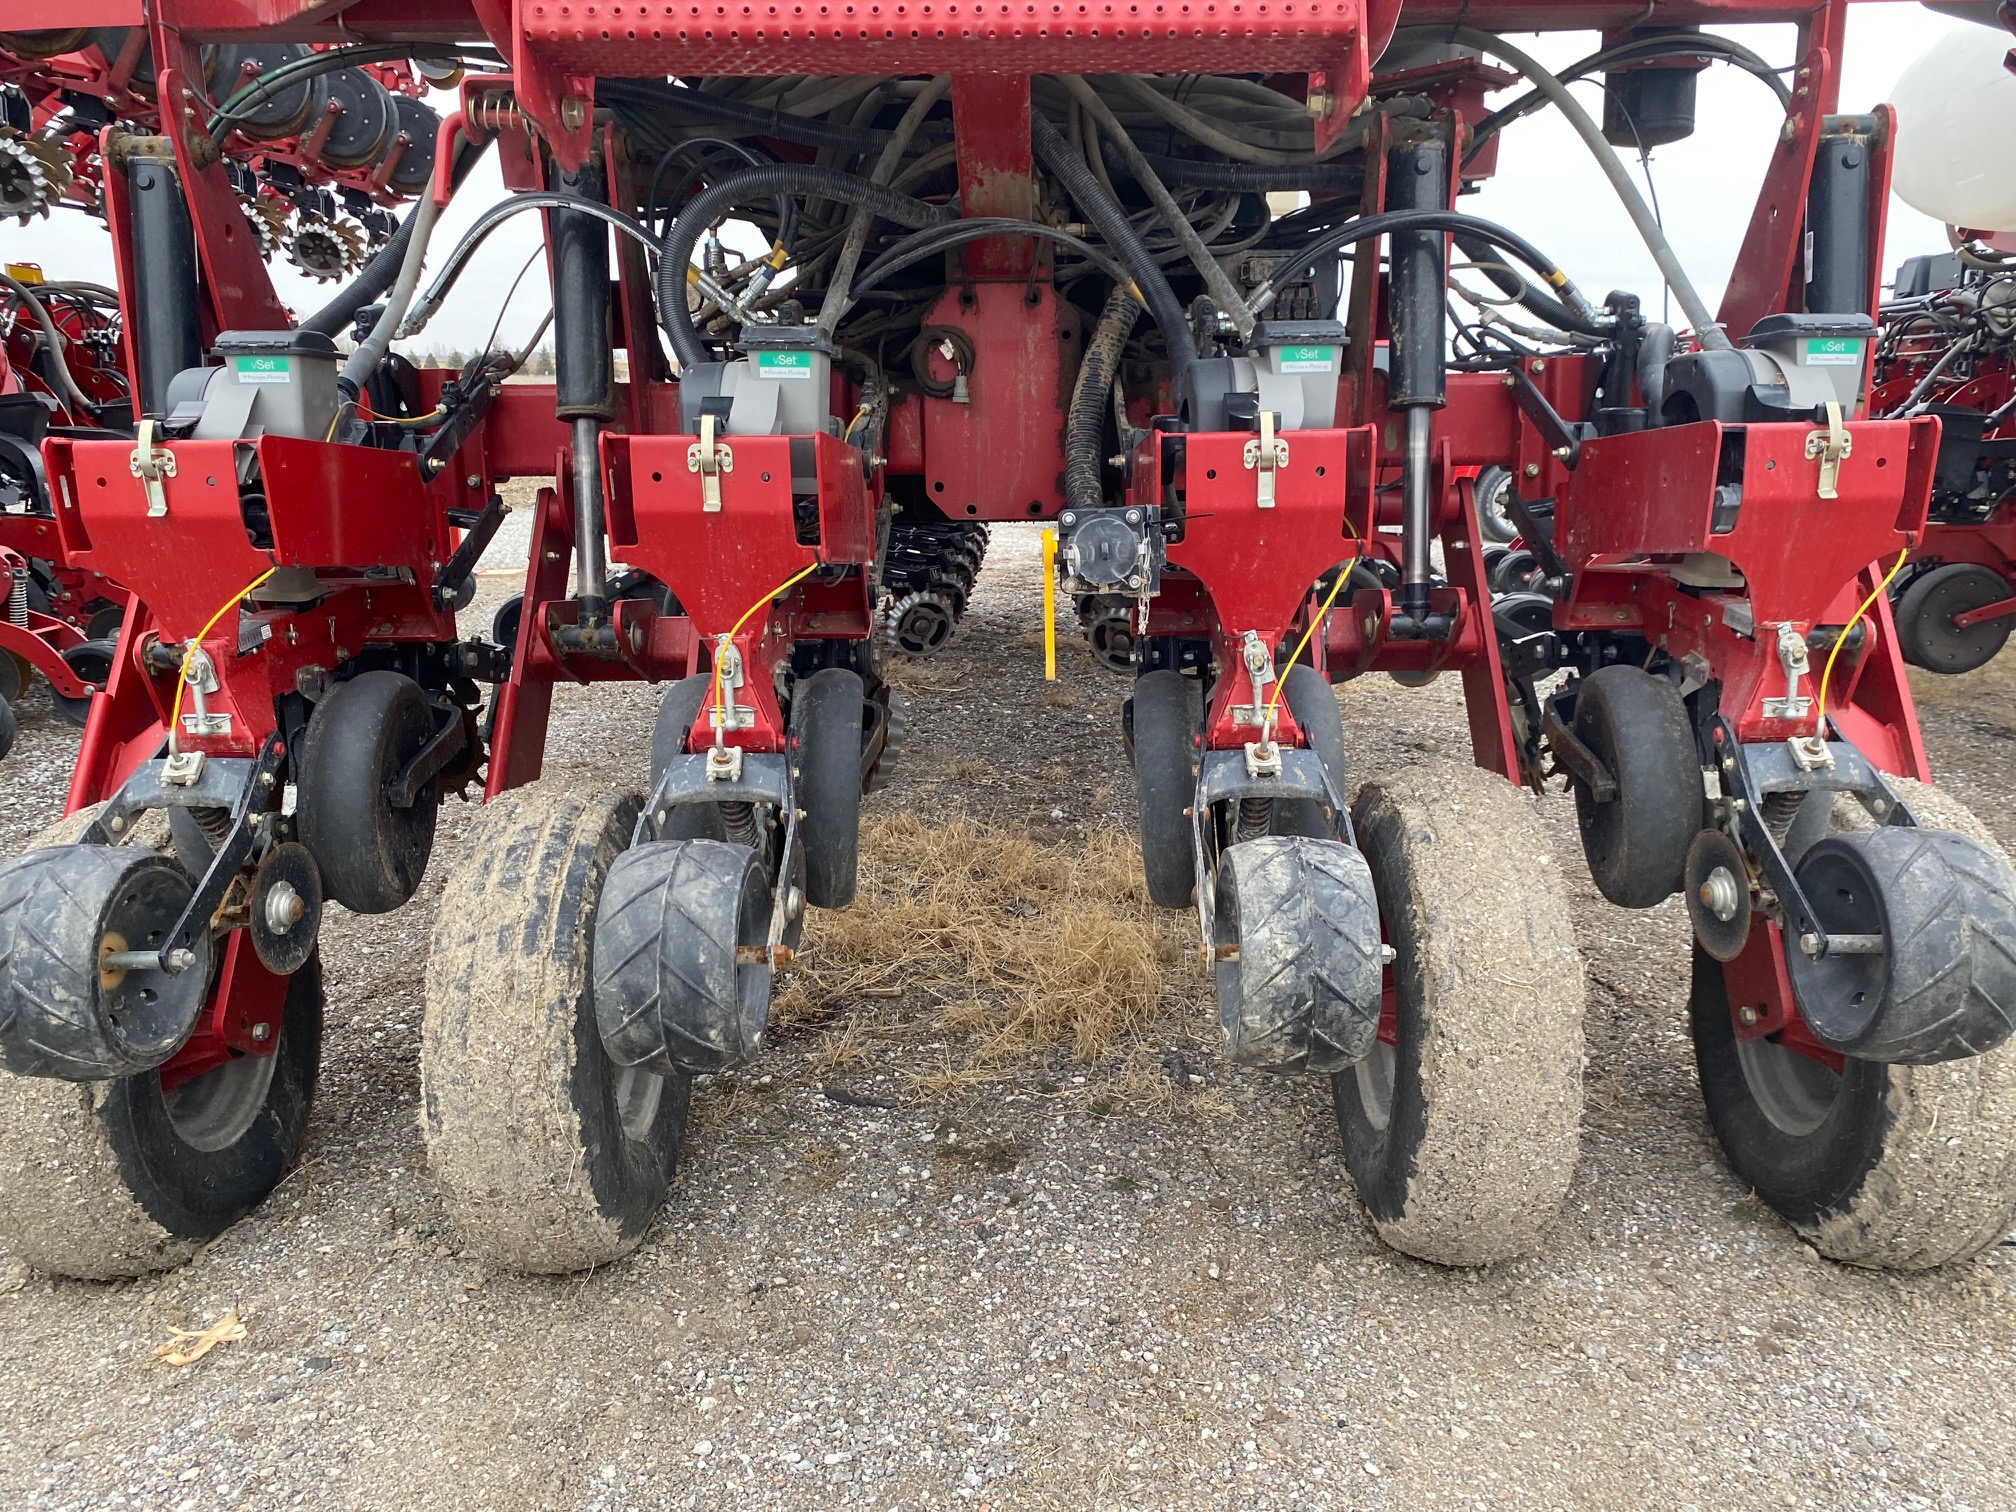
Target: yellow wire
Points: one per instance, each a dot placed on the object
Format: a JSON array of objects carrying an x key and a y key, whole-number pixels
[
  {"x": 720, "y": 707},
  {"x": 1343, "y": 573},
  {"x": 1827, "y": 672},
  {"x": 195, "y": 644}
]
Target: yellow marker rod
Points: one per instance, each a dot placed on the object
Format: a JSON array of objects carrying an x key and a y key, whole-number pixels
[{"x": 1049, "y": 606}]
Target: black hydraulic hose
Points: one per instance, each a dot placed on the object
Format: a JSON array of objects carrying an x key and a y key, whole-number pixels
[
  {"x": 1331, "y": 242},
  {"x": 711, "y": 203},
  {"x": 1085, "y": 422},
  {"x": 757, "y": 121},
  {"x": 1536, "y": 301},
  {"x": 1655, "y": 350},
  {"x": 1321, "y": 178},
  {"x": 376, "y": 276},
  {"x": 1111, "y": 221},
  {"x": 933, "y": 240}
]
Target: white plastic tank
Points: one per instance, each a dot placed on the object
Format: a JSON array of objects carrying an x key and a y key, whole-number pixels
[{"x": 1956, "y": 119}]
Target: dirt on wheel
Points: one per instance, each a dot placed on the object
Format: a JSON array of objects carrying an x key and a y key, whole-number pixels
[{"x": 992, "y": 1224}]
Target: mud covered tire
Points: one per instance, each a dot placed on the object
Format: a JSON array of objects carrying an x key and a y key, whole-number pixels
[
  {"x": 551, "y": 1157},
  {"x": 826, "y": 713},
  {"x": 669, "y": 993},
  {"x": 1303, "y": 992},
  {"x": 97, "y": 1179},
  {"x": 1462, "y": 1136},
  {"x": 1889, "y": 1166},
  {"x": 1168, "y": 715},
  {"x": 1636, "y": 844},
  {"x": 372, "y": 855}
]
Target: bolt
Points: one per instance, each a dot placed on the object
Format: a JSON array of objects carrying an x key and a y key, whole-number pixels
[
  {"x": 473, "y": 481},
  {"x": 572, "y": 113},
  {"x": 1532, "y": 469},
  {"x": 1810, "y": 943},
  {"x": 1133, "y": 517},
  {"x": 262, "y": 1033},
  {"x": 1537, "y": 365},
  {"x": 1318, "y": 104},
  {"x": 794, "y": 904},
  {"x": 1739, "y": 805},
  {"x": 1563, "y": 452},
  {"x": 1067, "y": 518},
  {"x": 1728, "y": 763},
  {"x": 266, "y": 779},
  {"x": 1881, "y": 806},
  {"x": 118, "y": 824},
  {"x": 1789, "y": 130},
  {"x": 1747, "y": 1016}
]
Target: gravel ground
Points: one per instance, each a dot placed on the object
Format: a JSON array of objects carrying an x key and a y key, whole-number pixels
[{"x": 1035, "y": 1294}]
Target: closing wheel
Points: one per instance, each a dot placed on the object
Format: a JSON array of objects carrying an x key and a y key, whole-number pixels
[
  {"x": 671, "y": 994},
  {"x": 1314, "y": 705},
  {"x": 109, "y": 1179},
  {"x": 1942, "y": 909},
  {"x": 1893, "y": 1166},
  {"x": 1636, "y": 844},
  {"x": 1926, "y": 633},
  {"x": 67, "y": 1008},
  {"x": 826, "y": 710},
  {"x": 8, "y": 727},
  {"x": 91, "y": 661},
  {"x": 676, "y": 712},
  {"x": 1168, "y": 717},
  {"x": 362, "y": 734},
  {"x": 1302, "y": 992},
  {"x": 1461, "y": 1126},
  {"x": 551, "y": 1157}
]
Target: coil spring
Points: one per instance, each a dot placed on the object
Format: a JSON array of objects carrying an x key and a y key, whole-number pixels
[
  {"x": 215, "y": 824},
  {"x": 17, "y": 598},
  {"x": 494, "y": 110},
  {"x": 738, "y": 820},
  {"x": 1256, "y": 817},
  {"x": 1779, "y": 810}
]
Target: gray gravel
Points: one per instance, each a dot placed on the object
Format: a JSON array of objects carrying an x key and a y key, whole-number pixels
[{"x": 1016, "y": 1299}]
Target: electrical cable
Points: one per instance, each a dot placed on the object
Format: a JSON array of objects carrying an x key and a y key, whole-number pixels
[
  {"x": 720, "y": 705},
  {"x": 194, "y": 645},
  {"x": 1827, "y": 671}
]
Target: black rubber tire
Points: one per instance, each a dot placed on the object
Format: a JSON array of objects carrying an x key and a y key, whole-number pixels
[
  {"x": 1313, "y": 702},
  {"x": 1494, "y": 522},
  {"x": 1945, "y": 985},
  {"x": 60, "y": 1015},
  {"x": 362, "y": 733},
  {"x": 1168, "y": 718},
  {"x": 1303, "y": 992},
  {"x": 550, "y": 1157},
  {"x": 1887, "y": 1166},
  {"x": 1636, "y": 845},
  {"x": 1462, "y": 1135},
  {"x": 1513, "y": 571},
  {"x": 678, "y": 709},
  {"x": 97, "y": 1180},
  {"x": 106, "y": 623},
  {"x": 826, "y": 713},
  {"x": 504, "y": 623},
  {"x": 13, "y": 678},
  {"x": 92, "y": 661},
  {"x": 669, "y": 993},
  {"x": 1926, "y": 633},
  {"x": 9, "y": 727}
]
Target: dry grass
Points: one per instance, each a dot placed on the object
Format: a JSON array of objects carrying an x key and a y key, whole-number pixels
[{"x": 1026, "y": 947}]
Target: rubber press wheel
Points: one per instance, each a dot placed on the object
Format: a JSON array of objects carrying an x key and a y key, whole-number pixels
[
  {"x": 108, "y": 1179},
  {"x": 1461, "y": 1126},
  {"x": 826, "y": 710},
  {"x": 551, "y": 1157},
  {"x": 676, "y": 712},
  {"x": 1891, "y": 1166},
  {"x": 361, "y": 736},
  {"x": 1313, "y": 702},
  {"x": 91, "y": 661},
  {"x": 1926, "y": 633},
  {"x": 1636, "y": 844},
  {"x": 1168, "y": 717}
]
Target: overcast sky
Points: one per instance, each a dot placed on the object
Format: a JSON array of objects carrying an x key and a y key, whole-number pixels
[{"x": 1547, "y": 187}]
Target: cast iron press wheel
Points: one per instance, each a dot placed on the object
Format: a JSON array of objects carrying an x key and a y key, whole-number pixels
[
  {"x": 1636, "y": 844},
  {"x": 1461, "y": 1134},
  {"x": 92, "y": 661},
  {"x": 1925, "y": 611},
  {"x": 109, "y": 1179},
  {"x": 1893, "y": 1166},
  {"x": 360, "y": 738},
  {"x": 551, "y": 1157},
  {"x": 1168, "y": 717},
  {"x": 826, "y": 770}
]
